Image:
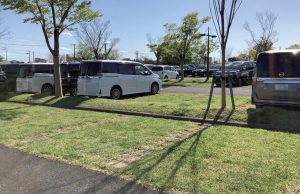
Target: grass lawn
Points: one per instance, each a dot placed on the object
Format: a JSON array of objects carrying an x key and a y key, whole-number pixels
[
  {"x": 188, "y": 81},
  {"x": 213, "y": 160},
  {"x": 226, "y": 160},
  {"x": 80, "y": 136},
  {"x": 179, "y": 105}
]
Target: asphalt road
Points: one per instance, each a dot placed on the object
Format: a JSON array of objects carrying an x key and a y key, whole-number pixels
[
  {"x": 237, "y": 91},
  {"x": 25, "y": 173}
]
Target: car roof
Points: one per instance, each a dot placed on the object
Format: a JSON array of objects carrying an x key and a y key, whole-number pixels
[
  {"x": 109, "y": 61},
  {"x": 283, "y": 51}
]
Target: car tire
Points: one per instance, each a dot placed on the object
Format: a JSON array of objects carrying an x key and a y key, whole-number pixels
[
  {"x": 47, "y": 89},
  {"x": 166, "y": 77},
  {"x": 154, "y": 88},
  {"x": 259, "y": 106},
  {"x": 116, "y": 93},
  {"x": 239, "y": 82},
  {"x": 218, "y": 85},
  {"x": 73, "y": 92},
  {"x": 177, "y": 76}
]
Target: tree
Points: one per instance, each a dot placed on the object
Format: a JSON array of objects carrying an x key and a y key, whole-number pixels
[
  {"x": 267, "y": 36},
  {"x": 180, "y": 39},
  {"x": 95, "y": 36},
  {"x": 294, "y": 46},
  {"x": 223, "y": 14},
  {"x": 54, "y": 17},
  {"x": 156, "y": 46}
]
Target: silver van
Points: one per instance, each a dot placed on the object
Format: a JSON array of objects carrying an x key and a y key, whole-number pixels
[{"x": 276, "y": 80}]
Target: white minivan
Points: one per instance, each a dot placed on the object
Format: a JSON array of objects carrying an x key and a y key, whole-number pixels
[
  {"x": 165, "y": 72},
  {"x": 36, "y": 77},
  {"x": 111, "y": 78}
]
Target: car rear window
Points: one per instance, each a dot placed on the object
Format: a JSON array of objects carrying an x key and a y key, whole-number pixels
[
  {"x": 273, "y": 64},
  {"x": 157, "y": 69}
]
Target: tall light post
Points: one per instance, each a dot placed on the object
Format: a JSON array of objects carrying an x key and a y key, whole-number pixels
[{"x": 208, "y": 51}]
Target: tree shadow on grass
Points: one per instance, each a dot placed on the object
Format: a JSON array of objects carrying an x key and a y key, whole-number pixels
[
  {"x": 12, "y": 113},
  {"x": 191, "y": 151},
  {"x": 283, "y": 119}
]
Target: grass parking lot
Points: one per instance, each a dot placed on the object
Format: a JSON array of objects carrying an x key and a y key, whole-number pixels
[{"x": 178, "y": 156}]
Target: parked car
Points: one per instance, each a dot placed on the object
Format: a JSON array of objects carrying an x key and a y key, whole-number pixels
[
  {"x": 3, "y": 83},
  {"x": 213, "y": 69},
  {"x": 277, "y": 79},
  {"x": 110, "y": 78},
  {"x": 200, "y": 70},
  {"x": 165, "y": 72},
  {"x": 38, "y": 78},
  {"x": 241, "y": 73},
  {"x": 11, "y": 72},
  {"x": 70, "y": 71},
  {"x": 188, "y": 70}
]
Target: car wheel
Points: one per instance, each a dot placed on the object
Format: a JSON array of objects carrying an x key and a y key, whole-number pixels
[
  {"x": 47, "y": 89},
  {"x": 73, "y": 92},
  {"x": 116, "y": 93},
  {"x": 218, "y": 85},
  {"x": 177, "y": 76},
  {"x": 154, "y": 88},
  {"x": 166, "y": 77},
  {"x": 259, "y": 106},
  {"x": 239, "y": 82}
]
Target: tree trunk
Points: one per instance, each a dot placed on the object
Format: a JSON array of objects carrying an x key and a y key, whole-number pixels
[
  {"x": 223, "y": 81},
  {"x": 57, "y": 77},
  {"x": 182, "y": 72},
  {"x": 57, "y": 74}
]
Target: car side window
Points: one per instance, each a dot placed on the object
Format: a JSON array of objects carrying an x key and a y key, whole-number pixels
[
  {"x": 126, "y": 69},
  {"x": 140, "y": 70},
  {"x": 109, "y": 67},
  {"x": 93, "y": 69}
]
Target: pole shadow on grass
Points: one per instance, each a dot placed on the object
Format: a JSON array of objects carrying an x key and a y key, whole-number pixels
[
  {"x": 282, "y": 119},
  {"x": 191, "y": 151}
]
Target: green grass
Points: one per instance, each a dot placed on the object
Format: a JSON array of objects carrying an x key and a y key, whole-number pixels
[
  {"x": 216, "y": 160},
  {"x": 225, "y": 160},
  {"x": 188, "y": 81},
  {"x": 82, "y": 137},
  {"x": 180, "y": 105}
]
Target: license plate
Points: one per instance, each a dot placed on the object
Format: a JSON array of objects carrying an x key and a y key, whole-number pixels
[{"x": 281, "y": 87}]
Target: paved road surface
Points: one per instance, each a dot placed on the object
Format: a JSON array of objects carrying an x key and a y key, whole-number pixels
[
  {"x": 237, "y": 91},
  {"x": 24, "y": 173}
]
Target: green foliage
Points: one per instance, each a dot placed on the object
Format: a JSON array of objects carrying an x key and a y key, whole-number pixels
[
  {"x": 54, "y": 16},
  {"x": 294, "y": 46},
  {"x": 182, "y": 44}
]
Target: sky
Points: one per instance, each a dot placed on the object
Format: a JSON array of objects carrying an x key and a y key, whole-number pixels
[{"x": 132, "y": 20}]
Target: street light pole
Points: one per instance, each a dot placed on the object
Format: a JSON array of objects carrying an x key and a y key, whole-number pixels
[{"x": 208, "y": 51}]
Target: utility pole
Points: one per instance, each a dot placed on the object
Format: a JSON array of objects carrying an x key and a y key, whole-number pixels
[
  {"x": 29, "y": 55},
  {"x": 74, "y": 54},
  {"x": 33, "y": 56},
  {"x": 207, "y": 55}
]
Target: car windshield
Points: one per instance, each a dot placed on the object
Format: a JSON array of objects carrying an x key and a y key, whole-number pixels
[
  {"x": 233, "y": 66},
  {"x": 271, "y": 64}
]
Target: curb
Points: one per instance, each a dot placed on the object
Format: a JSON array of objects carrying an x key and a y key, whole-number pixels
[{"x": 160, "y": 116}]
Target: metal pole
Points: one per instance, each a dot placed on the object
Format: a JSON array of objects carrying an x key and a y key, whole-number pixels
[
  {"x": 207, "y": 60},
  {"x": 104, "y": 50},
  {"x": 5, "y": 54},
  {"x": 33, "y": 56},
  {"x": 74, "y": 54}
]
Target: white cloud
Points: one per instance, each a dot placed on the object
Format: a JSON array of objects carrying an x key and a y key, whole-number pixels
[{"x": 67, "y": 34}]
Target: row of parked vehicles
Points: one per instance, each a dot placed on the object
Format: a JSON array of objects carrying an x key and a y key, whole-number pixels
[
  {"x": 275, "y": 78},
  {"x": 90, "y": 78}
]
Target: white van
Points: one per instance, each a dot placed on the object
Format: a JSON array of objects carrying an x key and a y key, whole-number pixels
[
  {"x": 37, "y": 78},
  {"x": 165, "y": 72},
  {"x": 110, "y": 78}
]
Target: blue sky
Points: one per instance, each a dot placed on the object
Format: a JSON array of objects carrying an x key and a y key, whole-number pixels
[{"x": 132, "y": 20}]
